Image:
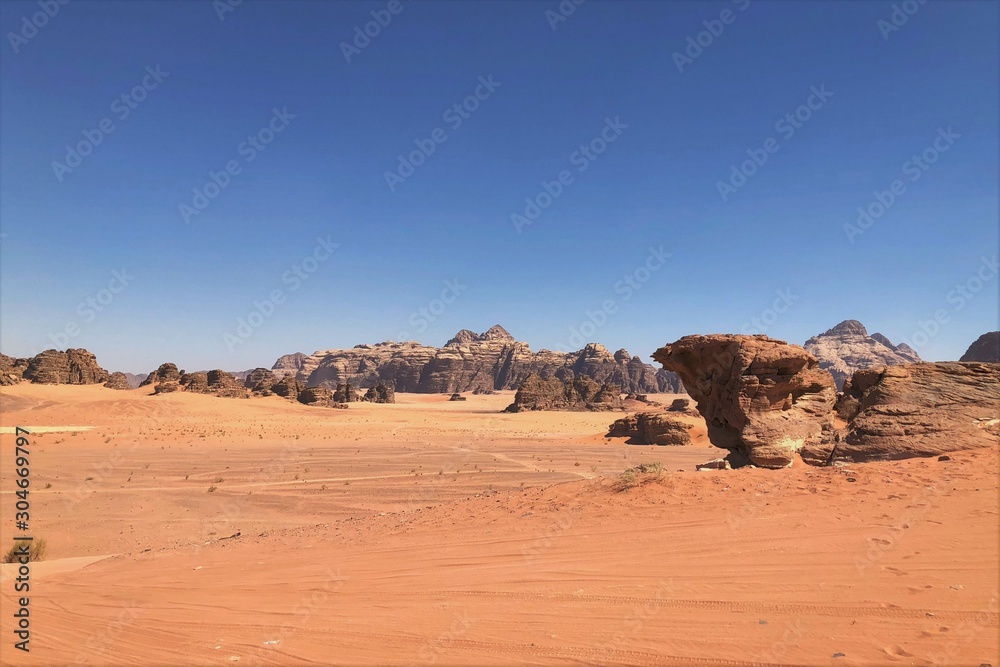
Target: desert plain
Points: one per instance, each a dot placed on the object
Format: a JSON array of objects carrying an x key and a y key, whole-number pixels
[{"x": 185, "y": 529}]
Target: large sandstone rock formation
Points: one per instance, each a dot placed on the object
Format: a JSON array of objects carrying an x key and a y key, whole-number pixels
[
  {"x": 651, "y": 428},
  {"x": 118, "y": 381},
  {"x": 259, "y": 381},
  {"x": 578, "y": 394},
  {"x": 289, "y": 364},
  {"x": 847, "y": 347},
  {"x": 986, "y": 349},
  {"x": 760, "y": 397},
  {"x": 165, "y": 373},
  {"x": 915, "y": 410},
  {"x": 381, "y": 393},
  {"x": 472, "y": 362},
  {"x": 12, "y": 370},
  {"x": 74, "y": 366},
  {"x": 319, "y": 396}
]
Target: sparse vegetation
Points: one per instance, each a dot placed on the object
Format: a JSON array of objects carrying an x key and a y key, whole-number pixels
[
  {"x": 638, "y": 476},
  {"x": 36, "y": 551}
]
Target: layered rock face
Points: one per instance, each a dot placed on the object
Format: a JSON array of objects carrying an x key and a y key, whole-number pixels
[
  {"x": 289, "y": 364},
  {"x": 259, "y": 381},
  {"x": 473, "y": 362},
  {"x": 847, "y": 347},
  {"x": 165, "y": 373},
  {"x": 12, "y": 370},
  {"x": 288, "y": 387},
  {"x": 985, "y": 349},
  {"x": 578, "y": 394},
  {"x": 760, "y": 397},
  {"x": 74, "y": 366},
  {"x": 118, "y": 381},
  {"x": 915, "y": 410},
  {"x": 319, "y": 396},
  {"x": 650, "y": 428}
]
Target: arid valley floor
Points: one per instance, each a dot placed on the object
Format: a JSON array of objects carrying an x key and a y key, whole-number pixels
[{"x": 435, "y": 532}]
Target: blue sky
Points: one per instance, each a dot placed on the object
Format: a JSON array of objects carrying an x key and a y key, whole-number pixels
[{"x": 658, "y": 139}]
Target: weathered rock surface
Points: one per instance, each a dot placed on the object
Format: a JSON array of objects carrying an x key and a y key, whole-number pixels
[
  {"x": 12, "y": 370},
  {"x": 472, "y": 362},
  {"x": 259, "y": 381},
  {"x": 847, "y": 347},
  {"x": 118, "y": 381},
  {"x": 578, "y": 394},
  {"x": 760, "y": 397},
  {"x": 288, "y": 387},
  {"x": 381, "y": 393},
  {"x": 345, "y": 393},
  {"x": 319, "y": 396},
  {"x": 289, "y": 364},
  {"x": 985, "y": 349},
  {"x": 74, "y": 366},
  {"x": 915, "y": 410},
  {"x": 166, "y": 387},
  {"x": 651, "y": 428},
  {"x": 165, "y": 373}
]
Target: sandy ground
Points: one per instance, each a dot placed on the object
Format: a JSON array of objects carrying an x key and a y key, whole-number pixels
[{"x": 436, "y": 532}]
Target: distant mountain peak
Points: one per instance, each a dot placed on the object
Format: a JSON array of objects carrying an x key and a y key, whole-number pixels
[
  {"x": 495, "y": 332},
  {"x": 847, "y": 327}
]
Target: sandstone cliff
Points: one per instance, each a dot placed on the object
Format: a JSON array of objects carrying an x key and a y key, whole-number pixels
[
  {"x": 74, "y": 366},
  {"x": 490, "y": 361}
]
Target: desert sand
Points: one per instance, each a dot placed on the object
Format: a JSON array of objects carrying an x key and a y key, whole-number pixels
[{"x": 190, "y": 529}]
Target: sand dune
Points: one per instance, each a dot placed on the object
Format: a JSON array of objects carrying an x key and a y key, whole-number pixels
[{"x": 430, "y": 532}]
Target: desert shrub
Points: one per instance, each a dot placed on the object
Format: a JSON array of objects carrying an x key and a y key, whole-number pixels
[
  {"x": 36, "y": 551},
  {"x": 637, "y": 476}
]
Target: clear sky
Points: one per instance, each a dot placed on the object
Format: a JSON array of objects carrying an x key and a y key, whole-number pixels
[{"x": 629, "y": 138}]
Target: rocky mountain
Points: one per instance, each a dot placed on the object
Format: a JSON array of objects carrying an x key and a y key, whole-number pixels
[
  {"x": 986, "y": 348},
  {"x": 12, "y": 370},
  {"x": 74, "y": 366},
  {"x": 847, "y": 347},
  {"x": 493, "y": 360}
]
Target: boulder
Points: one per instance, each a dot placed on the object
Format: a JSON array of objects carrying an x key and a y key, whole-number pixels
[
  {"x": 985, "y": 349},
  {"x": 457, "y": 397},
  {"x": 760, "y": 397},
  {"x": 714, "y": 464},
  {"x": 680, "y": 405},
  {"x": 847, "y": 347},
  {"x": 118, "y": 381},
  {"x": 651, "y": 428},
  {"x": 916, "y": 410},
  {"x": 578, "y": 394}
]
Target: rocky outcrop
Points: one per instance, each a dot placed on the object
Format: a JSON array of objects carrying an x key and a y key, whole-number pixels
[
  {"x": 380, "y": 393},
  {"x": 259, "y": 381},
  {"x": 985, "y": 349},
  {"x": 165, "y": 373},
  {"x": 915, "y": 410},
  {"x": 166, "y": 387},
  {"x": 12, "y": 370},
  {"x": 760, "y": 397},
  {"x": 74, "y": 366},
  {"x": 225, "y": 385},
  {"x": 457, "y": 397},
  {"x": 651, "y": 428},
  {"x": 472, "y": 362},
  {"x": 118, "y": 381},
  {"x": 847, "y": 347},
  {"x": 288, "y": 387},
  {"x": 318, "y": 396},
  {"x": 578, "y": 394},
  {"x": 345, "y": 394}
]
